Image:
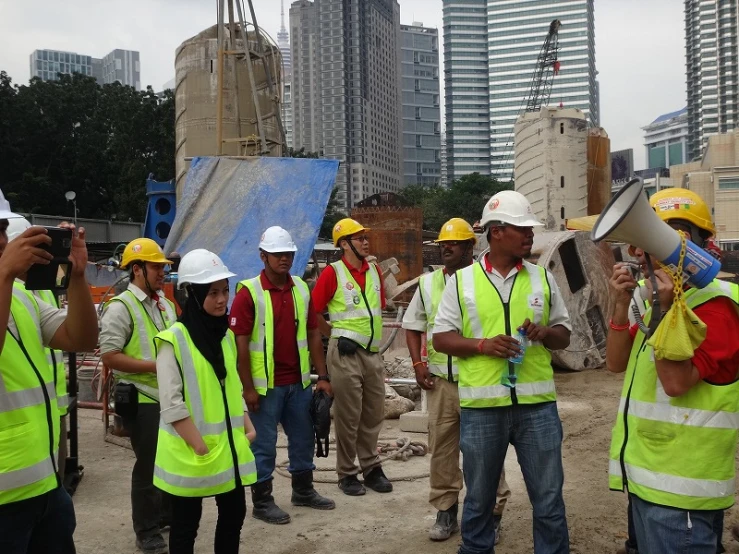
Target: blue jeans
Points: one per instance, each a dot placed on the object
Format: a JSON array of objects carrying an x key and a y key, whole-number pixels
[
  {"x": 38, "y": 525},
  {"x": 290, "y": 406},
  {"x": 535, "y": 431},
  {"x": 663, "y": 530}
]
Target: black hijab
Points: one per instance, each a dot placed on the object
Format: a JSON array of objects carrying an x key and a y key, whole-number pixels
[{"x": 207, "y": 331}]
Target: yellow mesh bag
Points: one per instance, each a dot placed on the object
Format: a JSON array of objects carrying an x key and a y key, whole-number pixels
[{"x": 680, "y": 332}]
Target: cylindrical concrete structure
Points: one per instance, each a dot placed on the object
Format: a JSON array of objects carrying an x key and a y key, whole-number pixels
[
  {"x": 196, "y": 94},
  {"x": 551, "y": 163}
]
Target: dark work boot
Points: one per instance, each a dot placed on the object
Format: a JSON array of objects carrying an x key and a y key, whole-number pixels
[
  {"x": 377, "y": 481},
  {"x": 446, "y": 524},
  {"x": 351, "y": 486},
  {"x": 305, "y": 495},
  {"x": 264, "y": 505}
]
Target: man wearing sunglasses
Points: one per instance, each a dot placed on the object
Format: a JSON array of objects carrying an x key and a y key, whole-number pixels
[
  {"x": 439, "y": 376},
  {"x": 277, "y": 336},
  {"x": 352, "y": 290}
]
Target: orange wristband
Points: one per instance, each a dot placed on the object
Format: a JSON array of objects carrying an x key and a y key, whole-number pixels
[
  {"x": 479, "y": 345},
  {"x": 419, "y": 363},
  {"x": 623, "y": 327}
]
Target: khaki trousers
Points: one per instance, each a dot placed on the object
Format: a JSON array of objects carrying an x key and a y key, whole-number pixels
[
  {"x": 446, "y": 476},
  {"x": 358, "y": 382}
]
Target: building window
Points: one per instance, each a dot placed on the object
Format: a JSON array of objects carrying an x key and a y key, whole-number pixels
[{"x": 728, "y": 183}]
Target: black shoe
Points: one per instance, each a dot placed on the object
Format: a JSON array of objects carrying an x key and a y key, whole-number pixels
[
  {"x": 351, "y": 486},
  {"x": 305, "y": 495},
  {"x": 377, "y": 481},
  {"x": 446, "y": 524},
  {"x": 152, "y": 545},
  {"x": 264, "y": 505}
]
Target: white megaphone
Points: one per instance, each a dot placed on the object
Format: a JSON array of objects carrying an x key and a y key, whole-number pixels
[{"x": 629, "y": 218}]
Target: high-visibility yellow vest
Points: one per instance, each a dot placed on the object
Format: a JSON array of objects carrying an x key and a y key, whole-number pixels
[
  {"x": 262, "y": 341},
  {"x": 29, "y": 416},
  {"x": 680, "y": 451},
  {"x": 217, "y": 410},
  {"x": 141, "y": 343},
  {"x": 431, "y": 287},
  {"x": 355, "y": 313},
  {"x": 56, "y": 359},
  {"x": 485, "y": 315}
]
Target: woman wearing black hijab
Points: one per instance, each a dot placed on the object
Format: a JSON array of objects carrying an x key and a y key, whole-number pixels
[{"x": 204, "y": 431}]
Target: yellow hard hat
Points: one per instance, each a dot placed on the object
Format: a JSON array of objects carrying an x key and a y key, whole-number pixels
[
  {"x": 345, "y": 228},
  {"x": 143, "y": 250},
  {"x": 456, "y": 229},
  {"x": 677, "y": 203}
]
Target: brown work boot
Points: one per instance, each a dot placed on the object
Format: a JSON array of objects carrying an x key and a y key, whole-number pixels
[{"x": 446, "y": 524}]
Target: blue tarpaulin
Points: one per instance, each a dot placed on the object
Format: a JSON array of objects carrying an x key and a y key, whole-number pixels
[{"x": 226, "y": 204}]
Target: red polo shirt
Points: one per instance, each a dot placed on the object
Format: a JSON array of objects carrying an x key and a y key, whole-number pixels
[
  {"x": 717, "y": 358},
  {"x": 326, "y": 285},
  {"x": 287, "y": 359}
]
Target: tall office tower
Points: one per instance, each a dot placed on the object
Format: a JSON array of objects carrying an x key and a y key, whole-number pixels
[
  {"x": 358, "y": 60},
  {"x": 490, "y": 51},
  {"x": 421, "y": 106},
  {"x": 305, "y": 87},
  {"x": 712, "y": 70},
  {"x": 47, "y": 64},
  {"x": 122, "y": 66},
  {"x": 466, "y": 94},
  {"x": 283, "y": 42}
]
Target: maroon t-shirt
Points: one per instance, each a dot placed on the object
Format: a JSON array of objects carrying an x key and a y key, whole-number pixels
[{"x": 287, "y": 359}]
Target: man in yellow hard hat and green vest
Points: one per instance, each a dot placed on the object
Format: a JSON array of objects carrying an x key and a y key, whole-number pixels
[
  {"x": 674, "y": 443},
  {"x": 129, "y": 324},
  {"x": 277, "y": 336},
  {"x": 438, "y": 376},
  {"x": 500, "y": 317},
  {"x": 352, "y": 290},
  {"x": 36, "y": 513}
]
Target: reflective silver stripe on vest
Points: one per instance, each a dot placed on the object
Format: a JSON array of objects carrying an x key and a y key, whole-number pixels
[
  {"x": 32, "y": 309},
  {"x": 353, "y": 335},
  {"x": 121, "y": 377},
  {"x": 678, "y": 415},
  {"x": 204, "y": 482},
  {"x": 25, "y": 398},
  {"x": 673, "y": 484},
  {"x": 28, "y": 475},
  {"x": 259, "y": 382},
  {"x": 537, "y": 287},
  {"x": 63, "y": 401},
  {"x": 439, "y": 369},
  {"x": 468, "y": 287},
  {"x": 352, "y": 310},
  {"x": 136, "y": 310},
  {"x": 193, "y": 390},
  {"x": 499, "y": 391},
  {"x": 261, "y": 313},
  {"x": 237, "y": 422}
]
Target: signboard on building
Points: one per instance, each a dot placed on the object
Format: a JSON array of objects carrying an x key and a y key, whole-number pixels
[{"x": 622, "y": 166}]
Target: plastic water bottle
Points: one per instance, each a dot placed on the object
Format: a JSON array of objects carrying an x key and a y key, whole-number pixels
[{"x": 522, "y": 344}]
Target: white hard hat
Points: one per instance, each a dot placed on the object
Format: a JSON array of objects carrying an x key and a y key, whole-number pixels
[
  {"x": 16, "y": 226},
  {"x": 276, "y": 239},
  {"x": 5, "y": 212},
  {"x": 201, "y": 267},
  {"x": 509, "y": 207}
]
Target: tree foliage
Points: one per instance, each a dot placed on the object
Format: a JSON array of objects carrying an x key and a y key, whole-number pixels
[
  {"x": 73, "y": 134},
  {"x": 465, "y": 198},
  {"x": 332, "y": 216}
]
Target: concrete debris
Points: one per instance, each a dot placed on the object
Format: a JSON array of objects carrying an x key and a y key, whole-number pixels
[{"x": 396, "y": 405}]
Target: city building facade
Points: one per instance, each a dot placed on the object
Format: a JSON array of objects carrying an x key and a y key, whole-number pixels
[
  {"x": 283, "y": 43},
  {"x": 121, "y": 66},
  {"x": 712, "y": 70},
  {"x": 490, "y": 53},
  {"x": 421, "y": 105},
  {"x": 666, "y": 140},
  {"x": 305, "y": 106}
]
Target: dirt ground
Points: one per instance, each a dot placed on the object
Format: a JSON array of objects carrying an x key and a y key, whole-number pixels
[{"x": 389, "y": 523}]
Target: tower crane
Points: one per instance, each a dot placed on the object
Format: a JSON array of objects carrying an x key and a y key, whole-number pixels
[{"x": 547, "y": 66}]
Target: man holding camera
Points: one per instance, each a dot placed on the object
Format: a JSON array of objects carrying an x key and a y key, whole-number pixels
[
  {"x": 674, "y": 443},
  {"x": 352, "y": 290},
  {"x": 128, "y": 327},
  {"x": 36, "y": 513}
]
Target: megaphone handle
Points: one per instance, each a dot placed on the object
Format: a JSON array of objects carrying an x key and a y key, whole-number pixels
[{"x": 656, "y": 312}]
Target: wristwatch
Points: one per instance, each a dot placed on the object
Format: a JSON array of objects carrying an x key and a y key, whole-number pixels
[{"x": 324, "y": 378}]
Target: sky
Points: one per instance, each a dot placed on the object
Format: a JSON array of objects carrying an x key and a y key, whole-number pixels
[{"x": 640, "y": 53}]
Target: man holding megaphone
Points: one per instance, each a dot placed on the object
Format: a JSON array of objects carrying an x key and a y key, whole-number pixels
[{"x": 674, "y": 442}]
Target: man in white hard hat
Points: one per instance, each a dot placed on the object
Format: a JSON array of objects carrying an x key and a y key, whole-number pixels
[
  {"x": 36, "y": 513},
  {"x": 506, "y": 386},
  {"x": 277, "y": 336},
  {"x": 16, "y": 227}
]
